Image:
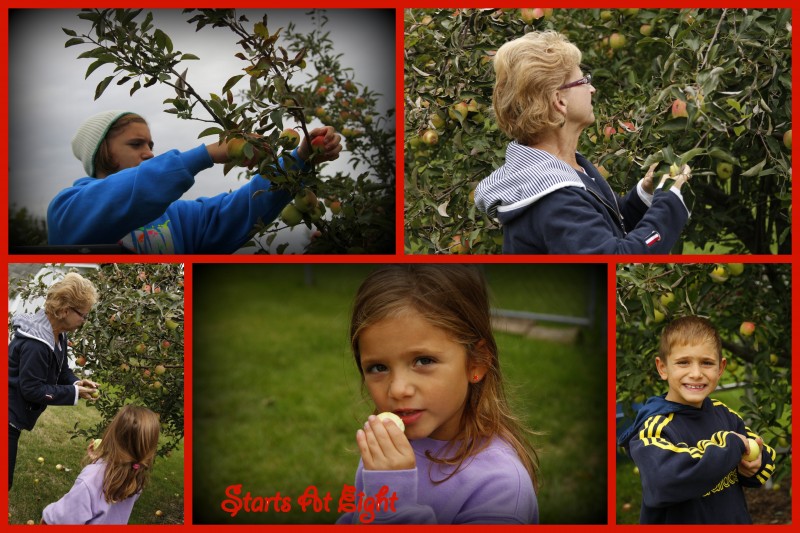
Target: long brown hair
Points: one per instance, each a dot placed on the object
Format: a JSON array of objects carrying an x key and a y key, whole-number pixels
[
  {"x": 455, "y": 299},
  {"x": 128, "y": 449}
]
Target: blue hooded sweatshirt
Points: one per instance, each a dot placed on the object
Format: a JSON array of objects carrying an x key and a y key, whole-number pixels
[
  {"x": 688, "y": 461},
  {"x": 140, "y": 208},
  {"x": 548, "y": 207}
]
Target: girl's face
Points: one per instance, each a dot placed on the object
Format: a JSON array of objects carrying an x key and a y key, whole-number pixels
[
  {"x": 416, "y": 371},
  {"x": 132, "y": 146}
]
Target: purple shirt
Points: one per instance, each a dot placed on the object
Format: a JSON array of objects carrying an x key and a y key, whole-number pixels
[
  {"x": 86, "y": 504},
  {"x": 492, "y": 487}
]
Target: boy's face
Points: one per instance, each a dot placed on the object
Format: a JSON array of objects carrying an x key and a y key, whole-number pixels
[{"x": 692, "y": 372}]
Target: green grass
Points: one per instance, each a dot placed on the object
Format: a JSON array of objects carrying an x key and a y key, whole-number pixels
[
  {"x": 50, "y": 439},
  {"x": 277, "y": 396}
]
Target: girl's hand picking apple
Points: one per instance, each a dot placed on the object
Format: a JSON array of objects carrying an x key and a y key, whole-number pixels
[
  {"x": 326, "y": 150},
  {"x": 384, "y": 446}
]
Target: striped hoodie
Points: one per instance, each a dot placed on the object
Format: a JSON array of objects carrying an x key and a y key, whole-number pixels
[{"x": 546, "y": 206}]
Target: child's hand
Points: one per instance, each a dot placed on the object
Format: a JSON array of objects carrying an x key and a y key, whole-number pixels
[
  {"x": 330, "y": 148},
  {"x": 384, "y": 447},
  {"x": 749, "y": 468},
  {"x": 91, "y": 452}
]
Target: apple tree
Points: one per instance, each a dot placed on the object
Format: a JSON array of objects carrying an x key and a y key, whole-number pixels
[
  {"x": 749, "y": 304},
  {"x": 285, "y": 77},
  {"x": 132, "y": 343},
  {"x": 711, "y": 88}
]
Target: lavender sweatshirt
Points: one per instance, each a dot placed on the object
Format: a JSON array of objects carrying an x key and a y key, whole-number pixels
[
  {"x": 492, "y": 487},
  {"x": 86, "y": 504}
]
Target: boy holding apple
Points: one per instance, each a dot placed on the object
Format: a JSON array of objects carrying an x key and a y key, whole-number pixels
[{"x": 692, "y": 451}]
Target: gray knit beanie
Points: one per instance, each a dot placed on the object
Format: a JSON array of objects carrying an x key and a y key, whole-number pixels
[{"x": 91, "y": 133}]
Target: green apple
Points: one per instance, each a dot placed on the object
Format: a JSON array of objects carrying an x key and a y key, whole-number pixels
[
  {"x": 646, "y": 29},
  {"x": 160, "y": 369},
  {"x": 96, "y": 444},
  {"x": 735, "y": 269},
  {"x": 753, "y": 451},
  {"x": 458, "y": 111},
  {"x": 719, "y": 274},
  {"x": 95, "y": 394},
  {"x": 667, "y": 298},
  {"x": 437, "y": 121},
  {"x": 724, "y": 170},
  {"x": 290, "y": 138},
  {"x": 140, "y": 348},
  {"x": 40, "y": 460},
  {"x": 305, "y": 200},
  {"x": 171, "y": 324},
  {"x": 235, "y": 149},
  {"x": 636, "y": 470},
  {"x": 787, "y": 139},
  {"x": 430, "y": 137},
  {"x": 616, "y": 41},
  {"x": 658, "y": 316},
  {"x": 59, "y": 467},
  {"x": 291, "y": 215},
  {"x": 773, "y": 359}
]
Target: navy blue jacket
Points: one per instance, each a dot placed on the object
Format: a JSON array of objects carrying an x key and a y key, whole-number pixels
[
  {"x": 38, "y": 373},
  {"x": 687, "y": 459},
  {"x": 546, "y": 206}
]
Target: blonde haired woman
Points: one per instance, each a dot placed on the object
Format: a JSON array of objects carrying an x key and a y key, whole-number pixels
[
  {"x": 548, "y": 197},
  {"x": 38, "y": 374}
]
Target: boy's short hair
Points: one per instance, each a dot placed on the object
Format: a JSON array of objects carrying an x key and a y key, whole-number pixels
[{"x": 688, "y": 330}]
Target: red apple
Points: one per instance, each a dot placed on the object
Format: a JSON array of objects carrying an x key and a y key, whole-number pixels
[
  {"x": 679, "y": 109},
  {"x": 747, "y": 329},
  {"x": 318, "y": 144}
]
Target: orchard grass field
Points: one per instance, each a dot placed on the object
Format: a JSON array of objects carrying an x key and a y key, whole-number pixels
[
  {"x": 277, "y": 397},
  {"x": 50, "y": 440}
]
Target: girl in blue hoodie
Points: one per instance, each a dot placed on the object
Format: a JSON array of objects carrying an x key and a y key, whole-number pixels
[{"x": 131, "y": 197}]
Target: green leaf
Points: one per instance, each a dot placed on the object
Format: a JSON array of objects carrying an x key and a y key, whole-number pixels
[
  {"x": 101, "y": 87},
  {"x": 231, "y": 82},
  {"x": 73, "y": 42},
  {"x": 186, "y": 57},
  {"x": 210, "y": 131},
  {"x": 97, "y": 64},
  {"x": 163, "y": 40},
  {"x": 69, "y": 32}
]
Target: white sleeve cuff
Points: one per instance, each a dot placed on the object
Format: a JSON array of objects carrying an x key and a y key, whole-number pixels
[
  {"x": 77, "y": 397},
  {"x": 644, "y": 196}
]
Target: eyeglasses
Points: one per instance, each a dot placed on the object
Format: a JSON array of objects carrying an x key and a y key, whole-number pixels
[
  {"x": 583, "y": 81},
  {"x": 80, "y": 314}
]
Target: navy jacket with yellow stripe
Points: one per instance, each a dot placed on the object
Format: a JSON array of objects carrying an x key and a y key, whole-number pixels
[{"x": 687, "y": 459}]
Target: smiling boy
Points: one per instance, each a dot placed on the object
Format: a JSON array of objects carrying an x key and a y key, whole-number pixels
[{"x": 689, "y": 447}]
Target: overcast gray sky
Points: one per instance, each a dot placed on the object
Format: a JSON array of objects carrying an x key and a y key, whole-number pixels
[{"x": 49, "y": 96}]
